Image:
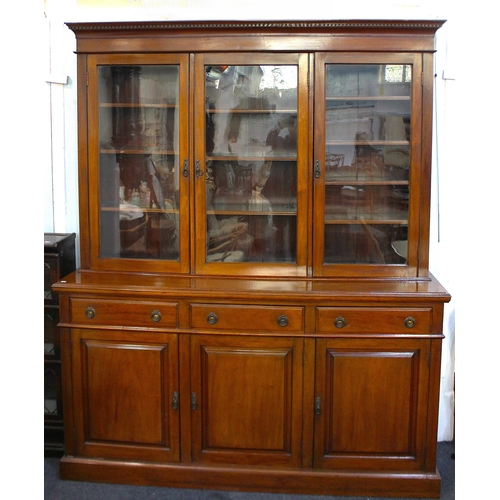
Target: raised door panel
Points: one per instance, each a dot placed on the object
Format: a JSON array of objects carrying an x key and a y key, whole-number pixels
[
  {"x": 247, "y": 400},
  {"x": 371, "y": 404},
  {"x": 126, "y": 395}
]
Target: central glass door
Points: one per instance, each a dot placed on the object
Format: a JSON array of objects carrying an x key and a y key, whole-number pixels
[{"x": 248, "y": 167}]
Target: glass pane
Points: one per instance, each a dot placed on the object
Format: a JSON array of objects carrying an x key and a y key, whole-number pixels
[
  {"x": 51, "y": 318},
  {"x": 251, "y": 155},
  {"x": 368, "y": 127},
  {"x": 51, "y": 398},
  {"x": 47, "y": 279},
  {"x": 139, "y": 161}
]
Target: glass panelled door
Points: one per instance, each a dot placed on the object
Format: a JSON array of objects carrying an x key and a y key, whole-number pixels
[
  {"x": 140, "y": 161},
  {"x": 251, "y": 164},
  {"x": 365, "y": 166}
]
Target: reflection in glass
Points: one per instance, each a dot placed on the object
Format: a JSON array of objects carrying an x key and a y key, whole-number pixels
[
  {"x": 398, "y": 73},
  {"x": 367, "y": 157},
  {"x": 139, "y": 163},
  {"x": 47, "y": 282},
  {"x": 51, "y": 374},
  {"x": 51, "y": 318},
  {"x": 251, "y": 163}
]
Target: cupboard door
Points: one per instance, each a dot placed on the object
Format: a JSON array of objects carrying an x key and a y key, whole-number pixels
[
  {"x": 251, "y": 154},
  {"x": 138, "y": 162},
  {"x": 367, "y": 164},
  {"x": 126, "y": 394},
  {"x": 371, "y": 404},
  {"x": 246, "y": 400}
]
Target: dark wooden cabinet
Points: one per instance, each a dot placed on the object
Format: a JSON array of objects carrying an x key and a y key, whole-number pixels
[
  {"x": 59, "y": 261},
  {"x": 254, "y": 308}
]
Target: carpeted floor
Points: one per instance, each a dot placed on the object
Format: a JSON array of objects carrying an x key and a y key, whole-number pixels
[{"x": 56, "y": 489}]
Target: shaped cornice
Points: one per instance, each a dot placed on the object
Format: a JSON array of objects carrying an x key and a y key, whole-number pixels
[{"x": 426, "y": 25}]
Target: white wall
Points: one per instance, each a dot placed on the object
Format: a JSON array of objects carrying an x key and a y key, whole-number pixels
[{"x": 464, "y": 155}]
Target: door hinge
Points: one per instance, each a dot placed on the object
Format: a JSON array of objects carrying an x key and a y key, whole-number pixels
[{"x": 87, "y": 79}]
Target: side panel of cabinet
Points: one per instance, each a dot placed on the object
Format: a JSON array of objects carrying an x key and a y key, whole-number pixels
[
  {"x": 246, "y": 400},
  {"x": 125, "y": 391},
  {"x": 371, "y": 403}
]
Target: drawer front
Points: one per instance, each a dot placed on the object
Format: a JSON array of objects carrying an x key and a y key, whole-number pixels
[
  {"x": 124, "y": 313},
  {"x": 374, "y": 320},
  {"x": 250, "y": 318}
]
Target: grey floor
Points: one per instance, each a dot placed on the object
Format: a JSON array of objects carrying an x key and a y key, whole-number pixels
[{"x": 56, "y": 489}]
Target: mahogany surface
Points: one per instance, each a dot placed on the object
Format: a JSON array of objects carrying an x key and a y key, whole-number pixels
[{"x": 302, "y": 376}]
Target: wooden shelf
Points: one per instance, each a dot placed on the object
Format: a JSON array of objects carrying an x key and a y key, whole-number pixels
[
  {"x": 142, "y": 209},
  {"x": 367, "y": 221},
  {"x": 151, "y": 151},
  {"x": 265, "y": 157},
  {"x": 252, "y": 111},
  {"x": 342, "y": 181},
  {"x": 365, "y": 144},
  {"x": 251, "y": 213},
  {"x": 369, "y": 98},
  {"x": 135, "y": 105}
]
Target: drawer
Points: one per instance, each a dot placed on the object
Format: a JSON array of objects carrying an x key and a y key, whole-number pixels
[
  {"x": 124, "y": 313},
  {"x": 374, "y": 320},
  {"x": 250, "y": 318}
]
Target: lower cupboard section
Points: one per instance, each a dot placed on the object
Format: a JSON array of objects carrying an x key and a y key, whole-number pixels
[{"x": 270, "y": 413}]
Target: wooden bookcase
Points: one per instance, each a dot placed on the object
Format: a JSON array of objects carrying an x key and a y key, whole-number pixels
[{"x": 254, "y": 308}]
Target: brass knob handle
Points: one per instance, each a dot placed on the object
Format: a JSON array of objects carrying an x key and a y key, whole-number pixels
[
  {"x": 212, "y": 319},
  {"x": 90, "y": 312},
  {"x": 339, "y": 322},
  {"x": 283, "y": 320},
  {"x": 410, "y": 322},
  {"x": 156, "y": 316}
]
